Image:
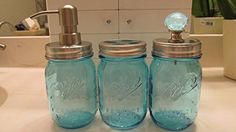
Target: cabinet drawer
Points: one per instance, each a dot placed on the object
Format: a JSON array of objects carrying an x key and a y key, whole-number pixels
[
  {"x": 90, "y": 22},
  {"x": 147, "y": 21},
  {"x": 155, "y": 4},
  {"x": 95, "y": 39},
  {"x": 84, "y": 4},
  {"x": 24, "y": 51}
]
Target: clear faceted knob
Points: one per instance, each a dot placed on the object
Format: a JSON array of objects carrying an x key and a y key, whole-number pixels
[{"x": 176, "y": 21}]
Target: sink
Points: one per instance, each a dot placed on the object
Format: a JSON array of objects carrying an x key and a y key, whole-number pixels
[{"x": 3, "y": 96}]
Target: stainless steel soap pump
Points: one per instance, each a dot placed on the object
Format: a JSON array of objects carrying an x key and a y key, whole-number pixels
[
  {"x": 70, "y": 75},
  {"x": 70, "y": 45}
]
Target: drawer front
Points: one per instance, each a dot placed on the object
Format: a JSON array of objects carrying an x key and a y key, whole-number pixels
[
  {"x": 90, "y": 22},
  {"x": 84, "y": 4},
  {"x": 146, "y": 21},
  {"x": 95, "y": 39},
  {"x": 155, "y": 4}
]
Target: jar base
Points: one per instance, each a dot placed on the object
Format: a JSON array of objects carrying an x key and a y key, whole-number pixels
[
  {"x": 123, "y": 120},
  {"x": 171, "y": 120},
  {"x": 74, "y": 120}
]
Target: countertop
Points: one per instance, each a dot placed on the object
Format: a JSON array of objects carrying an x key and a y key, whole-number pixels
[{"x": 26, "y": 109}]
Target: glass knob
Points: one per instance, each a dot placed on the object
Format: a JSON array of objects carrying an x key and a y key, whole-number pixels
[{"x": 176, "y": 21}]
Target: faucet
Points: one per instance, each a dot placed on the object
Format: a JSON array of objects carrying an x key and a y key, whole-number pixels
[
  {"x": 2, "y": 47},
  {"x": 12, "y": 28}
]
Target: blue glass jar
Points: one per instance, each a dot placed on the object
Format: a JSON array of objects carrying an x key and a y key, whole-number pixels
[
  {"x": 123, "y": 82},
  {"x": 71, "y": 90},
  {"x": 71, "y": 84},
  {"x": 175, "y": 78},
  {"x": 175, "y": 92}
]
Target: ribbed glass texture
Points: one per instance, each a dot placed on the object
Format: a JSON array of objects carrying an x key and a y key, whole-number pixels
[
  {"x": 175, "y": 92},
  {"x": 123, "y": 86},
  {"x": 71, "y": 90}
]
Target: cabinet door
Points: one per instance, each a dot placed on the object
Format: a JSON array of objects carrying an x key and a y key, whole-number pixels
[
  {"x": 24, "y": 51},
  {"x": 95, "y": 39},
  {"x": 155, "y": 4},
  {"x": 146, "y": 21},
  {"x": 90, "y": 22},
  {"x": 84, "y": 4}
]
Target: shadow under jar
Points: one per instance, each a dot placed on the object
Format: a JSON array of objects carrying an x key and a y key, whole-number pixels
[
  {"x": 175, "y": 75},
  {"x": 123, "y": 83}
]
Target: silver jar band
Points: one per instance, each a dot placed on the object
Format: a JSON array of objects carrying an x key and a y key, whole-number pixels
[
  {"x": 122, "y": 48},
  {"x": 190, "y": 48}
]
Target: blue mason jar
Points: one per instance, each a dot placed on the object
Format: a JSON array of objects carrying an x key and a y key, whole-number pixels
[
  {"x": 70, "y": 75},
  {"x": 71, "y": 90},
  {"x": 175, "y": 77},
  {"x": 123, "y": 82}
]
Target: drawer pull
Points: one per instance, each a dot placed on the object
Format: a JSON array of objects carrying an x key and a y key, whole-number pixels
[
  {"x": 129, "y": 21},
  {"x": 108, "y": 21}
]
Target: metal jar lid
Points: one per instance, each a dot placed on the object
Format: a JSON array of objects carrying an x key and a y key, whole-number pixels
[
  {"x": 70, "y": 45},
  {"x": 176, "y": 47},
  {"x": 56, "y": 51},
  {"x": 122, "y": 48},
  {"x": 190, "y": 48}
]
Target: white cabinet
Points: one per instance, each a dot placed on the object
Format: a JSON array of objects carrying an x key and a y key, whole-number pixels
[
  {"x": 128, "y": 19},
  {"x": 155, "y": 4},
  {"x": 146, "y": 21},
  {"x": 23, "y": 51},
  {"x": 84, "y": 4},
  {"x": 90, "y": 22}
]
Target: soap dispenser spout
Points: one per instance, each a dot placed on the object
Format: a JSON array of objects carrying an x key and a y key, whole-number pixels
[
  {"x": 2, "y": 47},
  {"x": 68, "y": 19},
  {"x": 42, "y": 13}
]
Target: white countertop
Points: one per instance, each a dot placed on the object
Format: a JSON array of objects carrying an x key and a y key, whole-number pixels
[{"x": 26, "y": 108}]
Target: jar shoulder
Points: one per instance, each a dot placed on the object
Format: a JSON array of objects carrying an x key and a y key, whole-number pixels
[
  {"x": 170, "y": 65},
  {"x": 70, "y": 66},
  {"x": 125, "y": 65}
]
